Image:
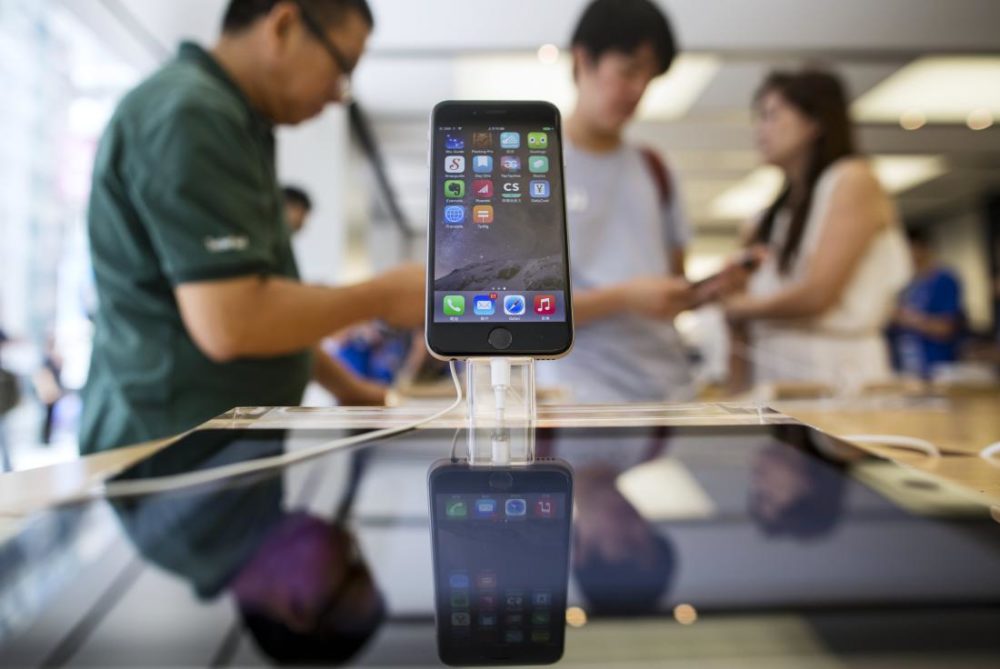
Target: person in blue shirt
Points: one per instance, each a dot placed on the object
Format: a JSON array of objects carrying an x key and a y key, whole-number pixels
[{"x": 927, "y": 328}]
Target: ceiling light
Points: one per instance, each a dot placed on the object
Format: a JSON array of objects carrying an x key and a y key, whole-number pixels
[
  {"x": 901, "y": 173},
  {"x": 749, "y": 196},
  {"x": 519, "y": 77},
  {"x": 912, "y": 120},
  {"x": 758, "y": 190},
  {"x": 514, "y": 77},
  {"x": 670, "y": 96},
  {"x": 979, "y": 119},
  {"x": 548, "y": 54},
  {"x": 943, "y": 88}
]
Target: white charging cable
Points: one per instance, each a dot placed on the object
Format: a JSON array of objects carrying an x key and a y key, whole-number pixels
[
  {"x": 161, "y": 484},
  {"x": 500, "y": 440},
  {"x": 990, "y": 454}
]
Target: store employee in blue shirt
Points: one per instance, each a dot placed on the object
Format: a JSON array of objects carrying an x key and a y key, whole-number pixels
[{"x": 927, "y": 328}]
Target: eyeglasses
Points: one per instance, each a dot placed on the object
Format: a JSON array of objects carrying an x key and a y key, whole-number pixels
[{"x": 344, "y": 65}]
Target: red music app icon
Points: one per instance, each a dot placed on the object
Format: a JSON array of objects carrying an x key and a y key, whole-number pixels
[{"x": 545, "y": 305}]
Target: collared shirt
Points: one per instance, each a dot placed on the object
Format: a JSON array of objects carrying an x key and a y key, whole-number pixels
[{"x": 184, "y": 190}]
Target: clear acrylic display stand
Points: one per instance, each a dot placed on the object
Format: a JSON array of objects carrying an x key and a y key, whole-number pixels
[{"x": 501, "y": 420}]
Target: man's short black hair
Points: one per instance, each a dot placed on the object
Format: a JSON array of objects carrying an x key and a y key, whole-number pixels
[
  {"x": 624, "y": 26},
  {"x": 295, "y": 195},
  {"x": 243, "y": 13}
]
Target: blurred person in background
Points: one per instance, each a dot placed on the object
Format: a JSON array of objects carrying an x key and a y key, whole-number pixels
[
  {"x": 200, "y": 304},
  {"x": 627, "y": 228},
  {"x": 929, "y": 321},
  {"x": 298, "y": 206},
  {"x": 831, "y": 248},
  {"x": 10, "y": 397},
  {"x": 47, "y": 381}
]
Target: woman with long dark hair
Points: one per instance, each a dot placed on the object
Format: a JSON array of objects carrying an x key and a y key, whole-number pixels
[{"x": 832, "y": 249}]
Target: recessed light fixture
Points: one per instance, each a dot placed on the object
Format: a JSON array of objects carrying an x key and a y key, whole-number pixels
[
  {"x": 912, "y": 120},
  {"x": 548, "y": 54},
  {"x": 945, "y": 89},
  {"x": 979, "y": 119}
]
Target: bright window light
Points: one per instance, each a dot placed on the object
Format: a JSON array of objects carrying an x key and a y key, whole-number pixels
[{"x": 943, "y": 89}]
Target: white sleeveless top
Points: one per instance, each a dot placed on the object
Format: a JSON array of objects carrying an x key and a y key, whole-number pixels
[{"x": 843, "y": 347}]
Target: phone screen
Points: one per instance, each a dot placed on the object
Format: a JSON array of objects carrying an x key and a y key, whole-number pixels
[
  {"x": 501, "y": 568},
  {"x": 499, "y": 222}
]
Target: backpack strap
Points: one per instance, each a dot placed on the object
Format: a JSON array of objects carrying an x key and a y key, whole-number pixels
[{"x": 661, "y": 175}]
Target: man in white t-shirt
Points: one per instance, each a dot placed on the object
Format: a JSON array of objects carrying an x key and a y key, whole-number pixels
[{"x": 627, "y": 231}]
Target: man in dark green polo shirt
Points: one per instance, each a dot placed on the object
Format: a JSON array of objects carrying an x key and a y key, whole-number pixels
[{"x": 201, "y": 307}]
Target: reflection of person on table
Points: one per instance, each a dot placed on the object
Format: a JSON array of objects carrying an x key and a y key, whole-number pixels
[
  {"x": 621, "y": 561},
  {"x": 302, "y": 588},
  {"x": 797, "y": 494}
]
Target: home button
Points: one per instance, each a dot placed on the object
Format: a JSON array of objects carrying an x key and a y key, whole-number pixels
[{"x": 501, "y": 339}]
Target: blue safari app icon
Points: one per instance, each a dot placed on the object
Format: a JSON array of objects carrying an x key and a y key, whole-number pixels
[
  {"x": 513, "y": 305},
  {"x": 454, "y": 213},
  {"x": 484, "y": 305},
  {"x": 453, "y": 142},
  {"x": 516, "y": 507}
]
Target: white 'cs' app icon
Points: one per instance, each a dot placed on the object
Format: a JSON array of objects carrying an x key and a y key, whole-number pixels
[{"x": 454, "y": 164}]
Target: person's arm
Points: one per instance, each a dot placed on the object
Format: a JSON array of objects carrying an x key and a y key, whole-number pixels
[
  {"x": 941, "y": 328},
  {"x": 252, "y": 316},
  {"x": 349, "y": 388},
  {"x": 851, "y": 224},
  {"x": 941, "y": 320},
  {"x": 653, "y": 297}
]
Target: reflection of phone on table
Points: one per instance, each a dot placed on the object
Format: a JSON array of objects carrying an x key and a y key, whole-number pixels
[
  {"x": 498, "y": 273},
  {"x": 501, "y": 561}
]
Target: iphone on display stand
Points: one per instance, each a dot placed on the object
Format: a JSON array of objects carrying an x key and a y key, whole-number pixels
[{"x": 498, "y": 263}]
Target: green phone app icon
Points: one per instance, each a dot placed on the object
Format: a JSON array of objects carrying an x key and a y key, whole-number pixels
[
  {"x": 456, "y": 508},
  {"x": 454, "y": 305},
  {"x": 538, "y": 164},
  {"x": 538, "y": 140},
  {"x": 454, "y": 188}
]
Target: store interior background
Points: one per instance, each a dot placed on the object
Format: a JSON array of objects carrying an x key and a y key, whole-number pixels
[{"x": 924, "y": 76}]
